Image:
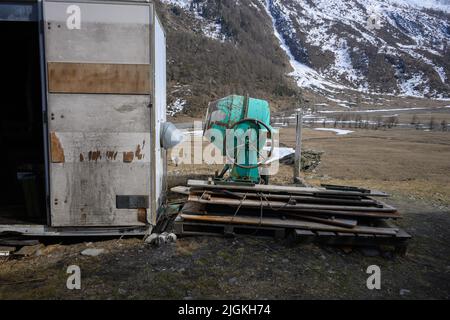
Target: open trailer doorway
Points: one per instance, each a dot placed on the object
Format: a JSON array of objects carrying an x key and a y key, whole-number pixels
[
  {"x": 84, "y": 109},
  {"x": 22, "y": 161}
]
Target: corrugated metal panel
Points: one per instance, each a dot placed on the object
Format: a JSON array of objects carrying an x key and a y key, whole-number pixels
[
  {"x": 109, "y": 33},
  {"x": 85, "y": 194},
  {"x": 99, "y": 113}
]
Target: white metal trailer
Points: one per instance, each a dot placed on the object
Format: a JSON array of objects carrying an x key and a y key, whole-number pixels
[{"x": 101, "y": 70}]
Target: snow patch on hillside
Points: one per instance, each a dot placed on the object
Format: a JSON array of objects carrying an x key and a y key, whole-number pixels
[
  {"x": 176, "y": 107},
  {"x": 339, "y": 132},
  {"x": 210, "y": 28}
]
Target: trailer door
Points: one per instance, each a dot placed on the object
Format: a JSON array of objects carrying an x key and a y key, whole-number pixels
[{"x": 99, "y": 94}]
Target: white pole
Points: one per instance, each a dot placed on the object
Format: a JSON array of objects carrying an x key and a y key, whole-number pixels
[{"x": 298, "y": 147}]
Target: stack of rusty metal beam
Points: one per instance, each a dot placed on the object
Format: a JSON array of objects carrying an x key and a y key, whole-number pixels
[{"x": 337, "y": 214}]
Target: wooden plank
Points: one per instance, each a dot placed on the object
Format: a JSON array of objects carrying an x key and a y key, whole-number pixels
[
  {"x": 277, "y": 189},
  {"x": 194, "y": 207},
  {"x": 200, "y": 208},
  {"x": 344, "y": 188},
  {"x": 299, "y": 198},
  {"x": 331, "y": 238},
  {"x": 341, "y": 234},
  {"x": 385, "y": 205},
  {"x": 327, "y": 213},
  {"x": 345, "y": 223},
  {"x": 361, "y": 213},
  {"x": 402, "y": 234},
  {"x": 18, "y": 242},
  {"x": 302, "y": 233},
  {"x": 288, "y": 223},
  {"x": 366, "y": 236},
  {"x": 64, "y": 77},
  {"x": 304, "y": 236},
  {"x": 182, "y": 227},
  {"x": 314, "y": 212},
  {"x": 326, "y": 234},
  {"x": 282, "y": 205}
]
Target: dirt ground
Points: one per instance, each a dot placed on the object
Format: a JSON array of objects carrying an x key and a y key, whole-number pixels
[{"x": 412, "y": 165}]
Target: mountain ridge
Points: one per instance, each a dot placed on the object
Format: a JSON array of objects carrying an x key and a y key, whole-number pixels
[{"x": 284, "y": 50}]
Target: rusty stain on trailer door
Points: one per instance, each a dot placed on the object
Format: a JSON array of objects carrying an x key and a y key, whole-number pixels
[{"x": 100, "y": 131}]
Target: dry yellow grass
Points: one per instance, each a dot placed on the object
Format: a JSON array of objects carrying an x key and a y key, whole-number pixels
[{"x": 406, "y": 161}]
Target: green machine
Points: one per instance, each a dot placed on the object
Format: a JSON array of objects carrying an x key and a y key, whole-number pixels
[{"x": 240, "y": 127}]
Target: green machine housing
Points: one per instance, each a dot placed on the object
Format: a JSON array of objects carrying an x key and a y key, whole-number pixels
[{"x": 239, "y": 127}]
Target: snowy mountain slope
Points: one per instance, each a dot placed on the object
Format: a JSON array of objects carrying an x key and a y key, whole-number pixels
[
  {"x": 393, "y": 47},
  {"x": 370, "y": 46},
  {"x": 216, "y": 47}
]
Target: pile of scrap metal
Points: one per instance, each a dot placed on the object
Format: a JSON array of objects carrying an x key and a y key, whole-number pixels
[
  {"x": 239, "y": 199},
  {"x": 329, "y": 214}
]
